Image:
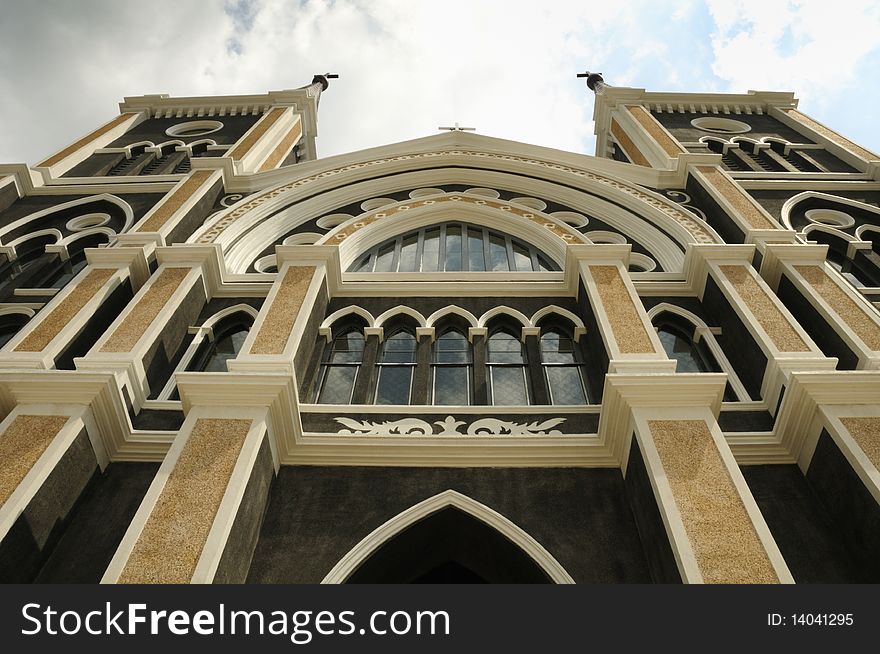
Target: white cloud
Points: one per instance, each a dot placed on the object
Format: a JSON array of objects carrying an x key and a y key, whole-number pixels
[{"x": 504, "y": 67}]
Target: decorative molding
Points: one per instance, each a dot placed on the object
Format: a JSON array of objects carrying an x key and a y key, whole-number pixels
[
  {"x": 449, "y": 427},
  {"x": 700, "y": 233}
]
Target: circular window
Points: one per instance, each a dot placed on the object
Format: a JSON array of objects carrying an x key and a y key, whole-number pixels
[
  {"x": 376, "y": 203},
  {"x": 830, "y": 217},
  {"x": 304, "y": 238},
  {"x": 424, "y": 192},
  {"x": 531, "y": 203},
  {"x": 720, "y": 125},
  {"x": 88, "y": 221},
  {"x": 194, "y": 128},
  {"x": 603, "y": 237},
  {"x": 332, "y": 220},
  {"x": 267, "y": 264},
  {"x": 576, "y": 220},
  {"x": 641, "y": 263},
  {"x": 484, "y": 192}
]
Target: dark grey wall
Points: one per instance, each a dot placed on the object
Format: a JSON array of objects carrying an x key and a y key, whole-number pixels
[
  {"x": 679, "y": 124},
  {"x": 801, "y": 526},
  {"x": 855, "y": 512},
  {"x": 317, "y": 514},
  {"x": 828, "y": 340},
  {"x": 750, "y": 361},
  {"x": 96, "y": 528}
]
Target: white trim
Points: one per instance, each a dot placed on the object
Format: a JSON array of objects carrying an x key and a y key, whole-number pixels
[
  {"x": 449, "y": 498},
  {"x": 451, "y": 310},
  {"x": 122, "y": 204},
  {"x": 504, "y": 310},
  {"x": 400, "y": 309}
]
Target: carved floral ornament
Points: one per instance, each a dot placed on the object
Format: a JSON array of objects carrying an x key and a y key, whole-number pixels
[
  {"x": 699, "y": 232},
  {"x": 449, "y": 426}
]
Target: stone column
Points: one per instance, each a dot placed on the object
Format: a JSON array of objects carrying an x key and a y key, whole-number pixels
[
  {"x": 48, "y": 455},
  {"x": 645, "y": 141},
  {"x": 830, "y": 422},
  {"x": 363, "y": 385},
  {"x": 153, "y": 324},
  {"x": 699, "y": 519},
  {"x": 64, "y": 160},
  {"x": 478, "y": 338},
  {"x": 182, "y": 210},
  {"x": 200, "y": 519},
  {"x": 748, "y": 309},
  {"x": 629, "y": 338},
  {"x": 83, "y": 306},
  {"x": 422, "y": 372},
  {"x": 265, "y": 144},
  {"x": 823, "y": 296}
]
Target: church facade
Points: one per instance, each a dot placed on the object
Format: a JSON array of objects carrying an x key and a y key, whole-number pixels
[{"x": 452, "y": 359}]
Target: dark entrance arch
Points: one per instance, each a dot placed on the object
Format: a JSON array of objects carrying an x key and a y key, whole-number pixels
[{"x": 449, "y": 546}]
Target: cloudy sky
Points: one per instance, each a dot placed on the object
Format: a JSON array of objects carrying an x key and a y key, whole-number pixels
[{"x": 506, "y": 67}]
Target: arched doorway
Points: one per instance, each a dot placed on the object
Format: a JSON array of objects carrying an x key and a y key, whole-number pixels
[
  {"x": 448, "y": 538},
  {"x": 449, "y": 546}
]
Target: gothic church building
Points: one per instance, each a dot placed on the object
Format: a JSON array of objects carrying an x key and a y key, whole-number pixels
[{"x": 451, "y": 359}]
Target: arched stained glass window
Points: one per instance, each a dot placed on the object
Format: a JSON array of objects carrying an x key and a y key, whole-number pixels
[
  {"x": 453, "y": 247},
  {"x": 507, "y": 370},
  {"x": 340, "y": 368},
  {"x": 226, "y": 345},
  {"x": 452, "y": 368},
  {"x": 681, "y": 347},
  {"x": 396, "y": 366},
  {"x": 562, "y": 368},
  {"x": 9, "y": 326}
]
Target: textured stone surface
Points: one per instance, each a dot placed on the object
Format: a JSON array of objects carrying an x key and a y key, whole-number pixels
[
  {"x": 866, "y": 432},
  {"x": 767, "y": 313},
  {"x": 848, "y": 309},
  {"x": 650, "y": 125},
  {"x": 623, "y": 138},
  {"x": 744, "y": 205},
  {"x": 23, "y": 442},
  {"x": 43, "y": 333},
  {"x": 282, "y": 148},
  {"x": 275, "y": 330},
  {"x": 724, "y": 540},
  {"x": 629, "y": 332},
  {"x": 831, "y": 135},
  {"x": 142, "y": 314},
  {"x": 250, "y": 139},
  {"x": 175, "y": 200},
  {"x": 85, "y": 140},
  {"x": 172, "y": 539}
]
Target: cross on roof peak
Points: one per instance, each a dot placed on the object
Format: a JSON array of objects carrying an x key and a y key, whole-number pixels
[{"x": 458, "y": 128}]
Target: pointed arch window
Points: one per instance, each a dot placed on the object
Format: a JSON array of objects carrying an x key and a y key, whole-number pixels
[
  {"x": 340, "y": 367},
  {"x": 563, "y": 367},
  {"x": 506, "y": 362},
  {"x": 10, "y": 323},
  {"x": 453, "y": 361},
  {"x": 453, "y": 247},
  {"x": 226, "y": 345},
  {"x": 680, "y": 346},
  {"x": 396, "y": 367}
]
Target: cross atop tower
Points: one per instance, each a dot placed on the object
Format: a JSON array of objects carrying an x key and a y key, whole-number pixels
[{"x": 459, "y": 128}]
